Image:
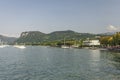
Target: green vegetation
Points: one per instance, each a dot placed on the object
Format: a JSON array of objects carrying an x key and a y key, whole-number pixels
[
  {"x": 57, "y": 38},
  {"x": 71, "y": 38},
  {"x": 53, "y": 39},
  {"x": 113, "y": 40}
]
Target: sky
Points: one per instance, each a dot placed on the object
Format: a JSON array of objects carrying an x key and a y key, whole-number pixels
[{"x": 91, "y": 16}]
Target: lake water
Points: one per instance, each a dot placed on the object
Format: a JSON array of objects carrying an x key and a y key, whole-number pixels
[{"x": 48, "y": 63}]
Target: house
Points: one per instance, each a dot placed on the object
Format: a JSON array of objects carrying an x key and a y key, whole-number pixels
[{"x": 91, "y": 42}]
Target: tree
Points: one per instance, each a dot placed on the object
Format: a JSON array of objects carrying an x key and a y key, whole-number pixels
[
  {"x": 111, "y": 40},
  {"x": 105, "y": 41},
  {"x": 116, "y": 39}
]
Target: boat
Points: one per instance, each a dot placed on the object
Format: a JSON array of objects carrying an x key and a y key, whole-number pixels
[
  {"x": 93, "y": 48},
  {"x": 19, "y": 46},
  {"x": 65, "y": 46},
  {"x": 75, "y": 45},
  {"x": 3, "y": 44}
]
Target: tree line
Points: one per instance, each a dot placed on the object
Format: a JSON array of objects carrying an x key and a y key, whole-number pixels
[{"x": 113, "y": 40}]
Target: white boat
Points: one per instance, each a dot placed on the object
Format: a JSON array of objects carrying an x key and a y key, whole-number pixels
[
  {"x": 75, "y": 45},
  {"x": 2, "y": 46},
  {"x": 65, "y": 47},
  {"x": 19, "y": 46}
]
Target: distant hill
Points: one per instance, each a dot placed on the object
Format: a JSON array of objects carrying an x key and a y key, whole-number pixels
[
  {"x": 6, "y": 39},
  {"x": 31, "y": 37},
  {"x": 37, "y": 36},
  {"x": 107, "y": 34},
  {"x": 68, "y": 34}
]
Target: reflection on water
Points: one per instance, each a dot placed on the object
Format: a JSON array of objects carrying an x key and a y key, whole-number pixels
[
  {"x": 47, "y": 63},
  {"x": 95, "y": 55},
  {"x": 95, "y": 59}
]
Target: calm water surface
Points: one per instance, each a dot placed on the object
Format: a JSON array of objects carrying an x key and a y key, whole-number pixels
[{"x": 47, "y": 63}]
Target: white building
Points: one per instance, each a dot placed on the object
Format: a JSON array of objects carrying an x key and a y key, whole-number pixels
[{"x": 91, "y": 42}]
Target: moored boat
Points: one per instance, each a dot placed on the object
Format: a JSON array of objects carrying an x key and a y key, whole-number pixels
[
  {"x": 65, "y": 47},
  {"x": 19, "y": 46}
]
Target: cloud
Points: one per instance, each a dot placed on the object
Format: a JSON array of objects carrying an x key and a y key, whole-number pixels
[{"x": 112, "y": 28}]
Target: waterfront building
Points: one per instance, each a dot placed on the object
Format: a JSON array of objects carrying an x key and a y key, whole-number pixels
[{"x": 91, "y": 42}]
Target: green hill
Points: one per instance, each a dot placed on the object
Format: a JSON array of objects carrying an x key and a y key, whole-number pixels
[
  {"x": 31, "y": 37},
  {"x": 68, "y": 35},
  {"x": 35, "y": 37}
]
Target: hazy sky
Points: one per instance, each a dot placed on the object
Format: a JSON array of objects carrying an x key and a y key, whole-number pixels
[{"x": 94, "y": 16}]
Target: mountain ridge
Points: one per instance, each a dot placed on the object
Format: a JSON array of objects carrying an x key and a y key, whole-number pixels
[{"x": 38, "y": 37}]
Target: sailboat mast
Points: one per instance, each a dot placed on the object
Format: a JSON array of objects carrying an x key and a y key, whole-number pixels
[{"x": 64, "y": 41}]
